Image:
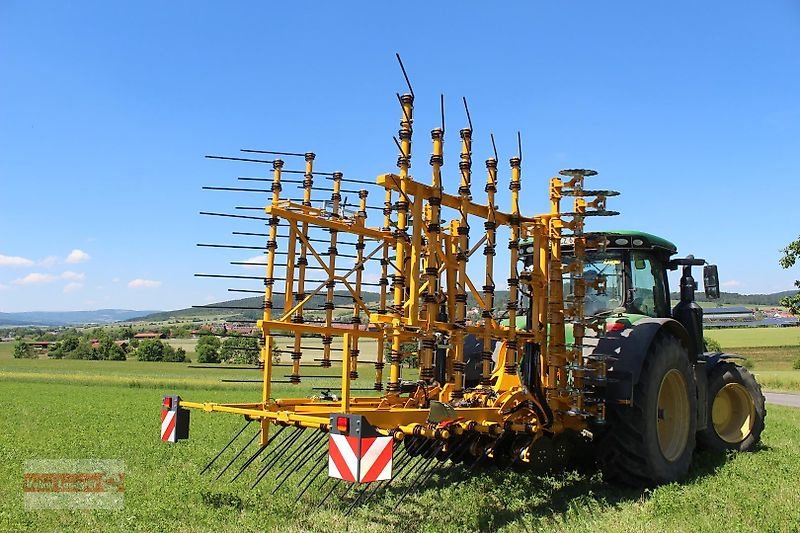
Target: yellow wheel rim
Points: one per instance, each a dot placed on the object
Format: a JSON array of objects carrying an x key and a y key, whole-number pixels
[
  {"x": 673, "y": 415},
  {"x": 733, "y": 413}
]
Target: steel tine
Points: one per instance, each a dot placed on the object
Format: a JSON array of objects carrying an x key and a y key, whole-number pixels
[
  {"x": 449, "y": 455},
  {"x": 225, "y": 447},
  {"x": 377, "y": 487},
  {"x": 402, "y": 464},
  {"x": 429, "y": 465},
  {"x": 285, "y": 445},
  {"x": 289, "y": 457},
  {"x": 311, "y": 481},
  {"x": 235, "y": 457},
  {"x": 406, "y": 462},
  {"x": 321, "y": 454},
  {"x": 356, "y": 500},
  {"x": 288, "y": 471},
  {"x": 255, "y": 455},
  {"x": 248, "y": 463},
  {"x": 336, "y": 484},
  {"x": 483, "y": 456}
]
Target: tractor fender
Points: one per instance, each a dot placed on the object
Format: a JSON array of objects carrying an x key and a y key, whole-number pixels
[
  {"x": 629, "y": 350},
  {"x": 702, "y": 372}
]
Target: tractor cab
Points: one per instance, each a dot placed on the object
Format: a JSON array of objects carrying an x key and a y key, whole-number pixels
[{"x": 625, "y": 275}]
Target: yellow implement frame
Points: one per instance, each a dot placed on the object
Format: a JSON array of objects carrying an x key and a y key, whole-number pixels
[{"x": 426, "y": 305}]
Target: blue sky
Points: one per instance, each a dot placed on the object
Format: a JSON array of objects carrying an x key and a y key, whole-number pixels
[{"x": 690, "y": 109}]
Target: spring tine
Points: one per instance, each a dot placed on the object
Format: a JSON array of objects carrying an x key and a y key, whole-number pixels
[
  {"x": 324, "y": 452},
  {"x": 309, "y": 456},
  {"x": 483, "y": 456},
  {"x": 291, "y": 458},
  {"x": 402, "y": 465},
  {"x": 286, "y": 445},
  {"x": 255, "y": 456},
  {"x": 235, "y": 457},
  {"x": 424, "y": 470},
  {"x": 313, "y": 478},
  {"x": 449, "y": 455},
  {"x": 225, "y": 447},
  {"x": 366, "y": 488},
  {"x": 248, "y": 463},
  {"x": 336, "y": 484},
  {"x": 287, "y": 457}
]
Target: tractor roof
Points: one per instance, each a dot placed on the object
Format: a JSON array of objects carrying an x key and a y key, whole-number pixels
[
  {"x": 649, "y": 240},
  {"x": 626, "y": 239}
]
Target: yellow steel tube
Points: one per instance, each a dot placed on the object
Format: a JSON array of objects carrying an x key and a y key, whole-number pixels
[
  {"x": 513, "y": 279},
  {"x": 361, "y": 218},
  {"x": 488, "y": 288},
  {"x": 433, "y": 247},
  {"x": 327, "y": 339},
  {"x": 556, "y": 357},
  {"x": 401, "y": 244},
  {"x": 302, "y": 262}
]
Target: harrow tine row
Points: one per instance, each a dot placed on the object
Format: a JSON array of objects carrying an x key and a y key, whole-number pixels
[
  {"x": 204, "y": 470},
  {"x": 253, "y": 458},
  {"x": 277, "y": 455},
  {"x": 235, "y": 457}
]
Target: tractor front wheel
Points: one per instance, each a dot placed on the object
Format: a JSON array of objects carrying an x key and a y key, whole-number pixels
[
  {"x": 651, "y": 442},
  {"x": 736, "y": 410}
]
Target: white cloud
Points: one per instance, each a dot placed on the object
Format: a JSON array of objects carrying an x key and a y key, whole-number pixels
[
  {"x": 730, "y": 284},
  {"x": 140, "y": 283},
  {"x": 255, "y": 262},
  {"x": 77, "y": 256},
  {"x": 4, "y": 287},
  {"x": 15, "y": 261},
  {"x": 49, "y": 262},
  {"x": 72, "y": 287},
  {"x": 35, "y": 278},
  {"x": 73, "y": 276}
]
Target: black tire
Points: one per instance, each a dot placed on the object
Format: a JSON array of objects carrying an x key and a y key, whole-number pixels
[
  {"x": 735, "y": 390},
  {"x": 631, "y": 451}
]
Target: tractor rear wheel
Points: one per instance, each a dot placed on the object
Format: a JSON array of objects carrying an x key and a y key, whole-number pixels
[
  {"x": 651, "y": 442},
  {"x": 736, "y": 410}
]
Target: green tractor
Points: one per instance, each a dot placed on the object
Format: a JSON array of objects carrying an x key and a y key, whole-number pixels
[{"x": 665, "y": 394}]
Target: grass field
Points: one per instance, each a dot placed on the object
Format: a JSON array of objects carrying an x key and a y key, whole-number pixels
[
  {"x": 755, "y": 337},
  {"x": 110, "y": 410},
  {"x": 773, "y": 351},
  {"x": 97, "y": 413}
]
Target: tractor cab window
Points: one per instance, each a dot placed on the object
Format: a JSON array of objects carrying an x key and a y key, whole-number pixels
[
  {"x": 603, "y": 278},
  {"x": 647, "y": 292}
]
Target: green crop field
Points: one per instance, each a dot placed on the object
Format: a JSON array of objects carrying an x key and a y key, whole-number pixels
[
  {"x": 98, "y": 414},
  {"x": 731, "y": 338},
  {"x": 773, "y": 352}
]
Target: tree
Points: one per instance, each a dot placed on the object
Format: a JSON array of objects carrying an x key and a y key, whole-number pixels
[
  {"x": 150, "y": 350},
  {"x": 173, "y": 355},
  {"x": 790, "y": 256},
  {"x": 208, "y": 349},
  {"x": 23, "y": 350},
  {"x": 241, "y": 350}
]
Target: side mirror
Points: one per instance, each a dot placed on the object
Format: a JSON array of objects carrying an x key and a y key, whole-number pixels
[{"x": 711, "y": 281}]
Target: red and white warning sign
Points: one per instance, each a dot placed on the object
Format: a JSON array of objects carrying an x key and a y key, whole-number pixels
[
  {"x": 168, "y": 421},
  {"x": 356, "y": 453},
  {"x": 174, "y": 420}
]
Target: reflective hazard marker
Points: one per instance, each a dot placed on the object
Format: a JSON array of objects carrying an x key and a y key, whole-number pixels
[
  {"x": 356, "y": 452},
  {"x": 174, "y": 420}
]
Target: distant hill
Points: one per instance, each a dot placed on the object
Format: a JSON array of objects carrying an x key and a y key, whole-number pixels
[
  {"x": 734, "y": 298},
  {"x": 69, "y": 318},
  {"x": 251, "y": 308}
]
